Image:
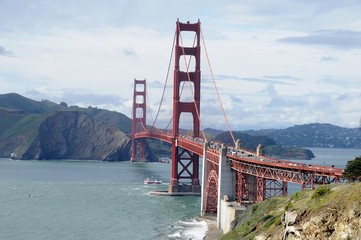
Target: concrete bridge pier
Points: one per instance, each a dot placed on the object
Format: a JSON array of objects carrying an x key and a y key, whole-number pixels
[{"x": 226, "y": 186}]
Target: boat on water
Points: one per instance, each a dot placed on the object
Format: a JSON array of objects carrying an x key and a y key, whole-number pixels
[
  {"x": 152, "y": 180},
  {"x": 164, "y": 160},
  {"x": 13, "y": 155}
]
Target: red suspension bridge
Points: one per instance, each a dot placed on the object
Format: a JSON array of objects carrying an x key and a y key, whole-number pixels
[{"x": 244, "y": 176}]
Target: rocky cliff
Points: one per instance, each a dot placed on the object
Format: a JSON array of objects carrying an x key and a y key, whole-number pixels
[
  {"x": 75, "y": 135},
  {"x": 32, "y": 129},
  {"x": 68, "y": 135}
]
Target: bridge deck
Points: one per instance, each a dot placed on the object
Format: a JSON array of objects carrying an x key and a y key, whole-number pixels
[{"x": 249, "y": 163}]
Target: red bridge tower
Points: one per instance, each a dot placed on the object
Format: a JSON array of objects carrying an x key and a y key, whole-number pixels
[
  {"x": 139, "y": 120},
  {"x": 185, "y": 164}
]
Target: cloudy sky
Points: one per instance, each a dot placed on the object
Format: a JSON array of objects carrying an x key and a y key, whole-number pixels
[{"x": 276, "y": 63}]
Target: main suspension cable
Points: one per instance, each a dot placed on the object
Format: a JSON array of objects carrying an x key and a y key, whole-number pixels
[
  {"x": 166, "y": 80},
  {"x": 215, "y": 86}
]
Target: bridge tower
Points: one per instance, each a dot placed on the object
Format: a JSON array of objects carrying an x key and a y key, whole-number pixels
[
  {"x": 139, "y": 120},
  {"x": 185, "y": 164}
]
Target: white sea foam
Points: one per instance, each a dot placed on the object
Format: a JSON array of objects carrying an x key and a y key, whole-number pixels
[
  {"x": 175, "y": 235},
  {"x": 192, "y": 229}
]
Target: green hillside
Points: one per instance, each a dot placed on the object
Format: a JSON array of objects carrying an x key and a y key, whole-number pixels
[
  {"x": 15, "y": 102},
  {"x": 329, "y": 212}
]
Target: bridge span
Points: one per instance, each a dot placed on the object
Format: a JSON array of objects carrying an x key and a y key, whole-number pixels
[
  {"x": 244, "y": 162},
  {"x": 243, "y": 176}
]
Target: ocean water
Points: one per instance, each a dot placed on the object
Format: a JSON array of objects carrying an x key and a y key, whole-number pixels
[
  {"x": 92, "y": 200},
  {"x": 103, "y": 200}
]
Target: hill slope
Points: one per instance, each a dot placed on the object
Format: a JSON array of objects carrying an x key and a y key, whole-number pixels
[{"x": 329, "y": 212}]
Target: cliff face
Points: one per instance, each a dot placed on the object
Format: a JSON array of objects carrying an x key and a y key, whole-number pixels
[
  {"x": 31, "y": 129},
  {"x": 75, "y": 135}
]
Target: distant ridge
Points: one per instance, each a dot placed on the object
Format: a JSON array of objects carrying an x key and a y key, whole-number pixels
[
  {"x": 15, "y": 101},
  {"x": 323, "y": 135}
]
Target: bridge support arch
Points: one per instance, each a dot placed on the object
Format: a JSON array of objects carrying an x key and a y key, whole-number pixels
[
  {"x": 211, "y": 194},
  {"x": 185, "y": 164}
]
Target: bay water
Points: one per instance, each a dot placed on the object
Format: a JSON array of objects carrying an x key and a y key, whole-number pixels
[
  {"x": 92, "y": 200},
  {"x": 338, "y": 157},
  {"x": 104, "y": 200}
]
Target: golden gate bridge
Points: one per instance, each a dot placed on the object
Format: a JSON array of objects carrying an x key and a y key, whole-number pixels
[{"x": 241, "y": 175}]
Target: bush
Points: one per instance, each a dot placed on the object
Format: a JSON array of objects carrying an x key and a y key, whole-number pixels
[{"x": 320, "y": 192}]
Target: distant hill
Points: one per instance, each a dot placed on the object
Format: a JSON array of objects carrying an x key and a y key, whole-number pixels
[
  {"x": 45, "y": 130},
  {"x": 270, "y": 147},
  {"x": 212, "y": 133},
  {"x": 247, "y": 141},
  {"x": 314, "y": 135}
]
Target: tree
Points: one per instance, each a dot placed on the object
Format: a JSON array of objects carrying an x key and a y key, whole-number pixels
[
  {"x": 63, "y": 104},
  {"x": 353, "y": 169}
]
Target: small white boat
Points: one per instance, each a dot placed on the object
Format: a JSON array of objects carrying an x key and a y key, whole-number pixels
[
  {"x": 13, "y": 155},
  {"x": 152, "y": 180}
]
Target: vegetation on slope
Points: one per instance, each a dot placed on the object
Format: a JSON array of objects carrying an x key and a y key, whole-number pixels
[
  {"x": 278, "y": 151},
  {"x": 324, "y": 213}
]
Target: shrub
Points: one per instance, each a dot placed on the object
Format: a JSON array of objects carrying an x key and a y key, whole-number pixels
[
  {"x": 320, "y": 192},
  {"x": 353, "y": 169}
]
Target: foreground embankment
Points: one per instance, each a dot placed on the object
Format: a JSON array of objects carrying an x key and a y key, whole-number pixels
[{"x": 328, "y": 212}]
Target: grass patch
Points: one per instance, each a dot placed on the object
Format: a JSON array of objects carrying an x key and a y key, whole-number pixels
[
  {"x": 298, "y": 195},
  {"x": 321, "y": 192}
]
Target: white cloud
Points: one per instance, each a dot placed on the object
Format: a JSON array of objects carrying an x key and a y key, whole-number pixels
[
  {"x": 341, "y": 39},
  {"x": 328, "y": 59},
  {"x": 274, "y": 65}
]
